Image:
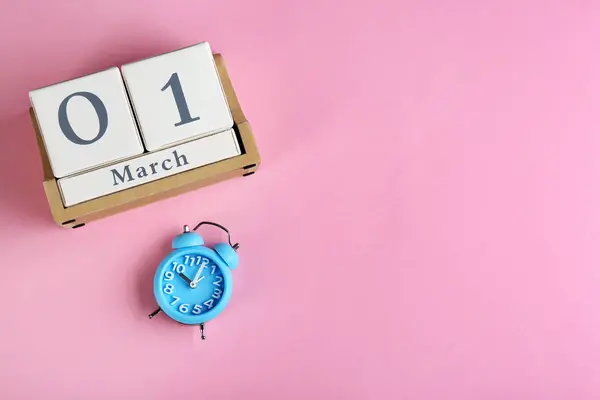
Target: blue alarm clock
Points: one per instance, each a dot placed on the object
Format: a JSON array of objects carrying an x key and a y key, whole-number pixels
[{"x": 192, "y": 284}]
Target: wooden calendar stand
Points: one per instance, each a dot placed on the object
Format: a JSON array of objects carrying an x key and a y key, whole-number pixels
[{"x": 243, "y": 165}]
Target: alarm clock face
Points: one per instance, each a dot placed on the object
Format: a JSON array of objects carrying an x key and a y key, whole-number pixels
[{"x": 192, "y": 286}]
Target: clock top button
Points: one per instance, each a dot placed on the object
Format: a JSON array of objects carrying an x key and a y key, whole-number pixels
[{"x": 187, "y": 239}]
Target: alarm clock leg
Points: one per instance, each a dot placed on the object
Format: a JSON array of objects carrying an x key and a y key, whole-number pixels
[
  {"x": 202, "y": 331},
  {"x": 153, "y": 314}
]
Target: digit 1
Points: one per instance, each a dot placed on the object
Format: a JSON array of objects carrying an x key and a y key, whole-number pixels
[
  {"x": 65, "y": 125},
  {"x": 182, "y": 107}
]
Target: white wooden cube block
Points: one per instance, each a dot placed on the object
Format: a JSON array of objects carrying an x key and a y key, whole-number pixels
[
  {"x": 177, "y": 96},
  {"x": 149, "y": 167},
  {"x": 86, "y": 122}
]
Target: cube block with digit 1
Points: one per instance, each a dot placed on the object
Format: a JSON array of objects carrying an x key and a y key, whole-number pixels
[
  {"x": 159, "y": 127},
  {"x": 177, "y": 96}
]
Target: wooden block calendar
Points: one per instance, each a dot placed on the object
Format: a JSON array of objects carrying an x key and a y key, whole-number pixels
[{"x": 122, "y": 138}]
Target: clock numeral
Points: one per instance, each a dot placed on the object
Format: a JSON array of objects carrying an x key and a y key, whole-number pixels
[
  {"x": 179, "y": 268},
  {"x": 175, "y": 301},
  {"x": 198, "y": 259},
  {"x": 168, "y": 289},
  {"x": 213, "y": 270},
  {"x": 197, "y": 309},
  {"x": 217, "y": 294},
  {"x": 209, "y": 303},
  {"x": 191, "y": 260},
  {"x": 169, "y": 276},
  {"x": 184, "y": 308},
  {"x": 218, "y": 280},
  {"x": 205, "y": 262}
]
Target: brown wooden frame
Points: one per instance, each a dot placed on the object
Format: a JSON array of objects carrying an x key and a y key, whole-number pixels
[{"x": 78, "y": 215}]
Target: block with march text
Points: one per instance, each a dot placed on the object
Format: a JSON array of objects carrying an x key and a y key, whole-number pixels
[
  {"x": 86, "y": 122},
  {"x": 149, "y": 167},
  {"x": 177, "y": 96}
]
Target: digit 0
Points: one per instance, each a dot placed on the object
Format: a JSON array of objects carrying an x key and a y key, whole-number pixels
[{"x": 65, "y": 125}]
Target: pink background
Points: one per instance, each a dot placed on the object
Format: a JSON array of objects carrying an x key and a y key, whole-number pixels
[{"x": 425, "y": 224}]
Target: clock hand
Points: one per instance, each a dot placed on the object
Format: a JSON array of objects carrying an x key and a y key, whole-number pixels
[
  {"x": 197, "y": 277},
  {"x": 188, "y": 280}
]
